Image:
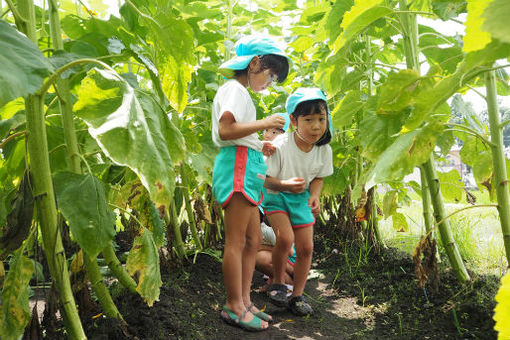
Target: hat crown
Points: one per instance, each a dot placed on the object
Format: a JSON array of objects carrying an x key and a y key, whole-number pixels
[
  {"x": 256, "y": 45},
  {"x": 303, "y": 94}
]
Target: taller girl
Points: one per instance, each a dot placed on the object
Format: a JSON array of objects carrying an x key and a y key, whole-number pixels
[
  {"x": 239, "y": 169},
  {"x": 294, "y": 180}
]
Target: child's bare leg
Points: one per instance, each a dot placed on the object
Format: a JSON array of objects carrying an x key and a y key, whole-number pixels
[
  {"x": 263, "y": 262},
  {"x": 284, "y": 239},
  {"x": 237, "y": 217},
  {"x": 253, "y": 242},
  {"x": 304, "y": 250}
]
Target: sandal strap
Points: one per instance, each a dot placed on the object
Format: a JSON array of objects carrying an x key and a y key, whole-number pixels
[{"x": 280, "y": 287}]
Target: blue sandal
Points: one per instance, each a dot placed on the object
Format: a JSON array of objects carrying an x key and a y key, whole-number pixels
[{"x": 231, "y": 318}]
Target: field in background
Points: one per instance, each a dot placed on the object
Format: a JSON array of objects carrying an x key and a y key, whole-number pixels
[{"x": 477, "y": 232}]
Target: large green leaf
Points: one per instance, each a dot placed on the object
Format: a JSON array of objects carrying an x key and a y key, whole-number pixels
[
  {"x": 143, "y": 262},
  {"x": 390, "y": 203},
  {"x": 452, "y": 187},
  {"x": 82, "y": 201},
  {"x": 398, "y": 91},
  {"x": 173, "y": 38},
  {"x": 350, "y": 104},
  {"x": 377, "y": 133},
  {"x": 22, "y": 66},
  {"x": 406, "y": 152},
  {"x": 399, "y": 222},
  {"x": 496, "y": 20},
  {"x": 335, "y": 17},
  {"x": 15, "y": 307},
  {"x": 362, "y": 14},
  {"x": 132, "y": 130},
  {"x": 448, "y": 9}
]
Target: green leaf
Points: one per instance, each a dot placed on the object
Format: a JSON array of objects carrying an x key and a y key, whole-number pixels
[
  {"x": 335, "y": 17},
  {"x": 350, "y": 104},
  {"x": 143, "y": 262},
  {"x": 476, "y": 38},
  {"x": 406, "y": 152},
  {"x": 22, "y": 66},
  {"x": 496, "y": 20},
  {"x": 478, "y": 156},
  {"x": 452, "y": 186},
  {"x": 301, "y": 44},
  {"x": 361, "y": 15},
  {"x": 15, "y": 307},
  {"x": 173, "y": 39},
  {"x": 398, "y": 91},
  {"x": 82, "y": 201},
  {"x": 399, "y": 222},
  {"x": 390, "y": 203},
  {"x": 175, "y": 77},
  {"x": 447, "y": 10},
  {"x": 377, "y": 133},
  {"x": 132, "y": 130}
]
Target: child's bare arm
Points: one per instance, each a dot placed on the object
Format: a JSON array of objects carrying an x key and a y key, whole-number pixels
[
  {"x": 230, "y": 129},
  {"x": 294, "y": 184},
  {"x": 315, "y": 193}
]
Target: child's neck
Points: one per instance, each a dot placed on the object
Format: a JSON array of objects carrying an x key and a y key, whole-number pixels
[
  {"x": 302, "y": 143},
  {"x": 243, "y": 79}
]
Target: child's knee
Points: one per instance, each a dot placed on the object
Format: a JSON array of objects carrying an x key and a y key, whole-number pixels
[
  {"x": 253, "y": 241},
  {"x": 285, "y": 241},
  {"x": 305, "y": 250}
]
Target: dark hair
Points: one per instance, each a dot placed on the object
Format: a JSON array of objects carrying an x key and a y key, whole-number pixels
[
  {"x": 278, "y": 64},
  {"x": 315, "y": 106}
]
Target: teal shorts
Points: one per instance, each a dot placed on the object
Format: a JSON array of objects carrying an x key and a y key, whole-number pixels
[
  {"x": 292, "y": 259},
  {"x": 238, "y": 169},
  {"x": 293, "y": 205}
]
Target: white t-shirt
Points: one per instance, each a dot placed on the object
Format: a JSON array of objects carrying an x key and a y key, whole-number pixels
[
  {"x": 234, "y": 97},
  {"x": 290, "y": 161}
]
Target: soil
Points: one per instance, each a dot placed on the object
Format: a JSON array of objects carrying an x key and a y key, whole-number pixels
[{"x": 357, "y": 294}]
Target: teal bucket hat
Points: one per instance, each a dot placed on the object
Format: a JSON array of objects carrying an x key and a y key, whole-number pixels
[
  {"x": 248, "y": 47},
  {"x": 287, "y": 120},
  {"x": 304, "y": 94}
]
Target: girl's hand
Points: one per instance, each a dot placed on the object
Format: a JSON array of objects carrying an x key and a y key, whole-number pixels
[
  {"x": 314, "y": 203},
  {"x": 294, "y": 184},
  {"x": 275, "y": 121},
  {"x": 268, "y": 149}
]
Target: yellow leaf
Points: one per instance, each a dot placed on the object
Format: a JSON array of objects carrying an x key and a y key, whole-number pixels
[
  {"x": 475, "y": 38},
  {"x": 502, "y": 310}
]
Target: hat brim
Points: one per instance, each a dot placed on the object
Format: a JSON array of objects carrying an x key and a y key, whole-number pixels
[
  {"x": 237, "y": 63},
  {"x": 240, "y": 63}
]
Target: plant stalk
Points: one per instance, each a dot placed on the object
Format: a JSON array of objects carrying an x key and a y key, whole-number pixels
[
  {"x": 498, "y": 161},
  {"x": 444, "y": 228},
  {"x": 410, "y": 32},
  {"x": 44, "y": 195},
  {"x": 189, "y": 210},
  {"x": 73, "y": 161}
]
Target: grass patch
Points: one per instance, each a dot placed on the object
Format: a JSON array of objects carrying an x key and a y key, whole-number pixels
[{"x": 477, "y": 233}]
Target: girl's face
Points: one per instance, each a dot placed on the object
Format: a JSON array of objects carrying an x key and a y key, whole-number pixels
[
  {"x": 261, "y": 80},
  {"x": 258, "y": 79},
  {"x": 270, "y": 134},
  {"x": 311, "y": 127}
]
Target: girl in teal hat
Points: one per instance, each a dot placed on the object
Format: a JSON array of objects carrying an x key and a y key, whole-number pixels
[
  {"x": 294, "y": 183},
  {"x": 239, "y": 169}
]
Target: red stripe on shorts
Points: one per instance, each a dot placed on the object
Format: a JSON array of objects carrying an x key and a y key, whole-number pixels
[{"x": 240, "y": 168}]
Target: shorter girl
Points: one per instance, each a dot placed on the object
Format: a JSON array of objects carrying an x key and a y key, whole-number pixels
[{"x": 294, "y": 182}]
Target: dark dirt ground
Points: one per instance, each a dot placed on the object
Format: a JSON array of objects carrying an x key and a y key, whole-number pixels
[{"x": 359, "y": 295}]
